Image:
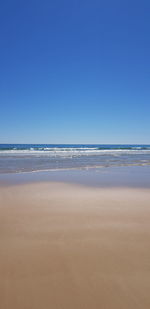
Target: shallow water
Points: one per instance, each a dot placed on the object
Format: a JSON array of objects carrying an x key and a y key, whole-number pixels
[{"x": 126, "y": 176}]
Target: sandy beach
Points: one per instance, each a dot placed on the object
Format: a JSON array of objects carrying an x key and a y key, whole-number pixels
[{"x": 67, "y": 246}]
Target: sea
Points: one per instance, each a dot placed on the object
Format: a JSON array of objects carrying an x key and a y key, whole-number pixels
[{"x": 22, "y": 158}]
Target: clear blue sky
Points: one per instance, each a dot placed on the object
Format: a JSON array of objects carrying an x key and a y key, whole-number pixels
[{"x": 74, "y": 71}]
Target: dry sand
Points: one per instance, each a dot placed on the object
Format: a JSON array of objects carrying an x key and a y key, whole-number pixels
[{"x": 72, "y": 247}]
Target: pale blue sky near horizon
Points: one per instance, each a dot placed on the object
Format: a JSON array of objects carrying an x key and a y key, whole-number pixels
[{"x": 75, "y": 71}]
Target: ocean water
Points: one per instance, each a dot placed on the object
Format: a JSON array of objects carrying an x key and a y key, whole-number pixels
[{"x": 16, "y": 158}]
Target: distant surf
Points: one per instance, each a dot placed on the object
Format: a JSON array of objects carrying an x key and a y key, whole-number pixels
[{"x": 16, "y": 158}]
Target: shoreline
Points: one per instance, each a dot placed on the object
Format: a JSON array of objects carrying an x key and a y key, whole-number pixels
[{"x": 126, "y": 176}]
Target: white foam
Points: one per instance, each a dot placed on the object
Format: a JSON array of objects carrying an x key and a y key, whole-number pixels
[{"x": 70, "y": 152}]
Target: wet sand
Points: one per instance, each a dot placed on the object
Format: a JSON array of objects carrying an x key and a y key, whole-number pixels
[{"x": 68, "y": 246}]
